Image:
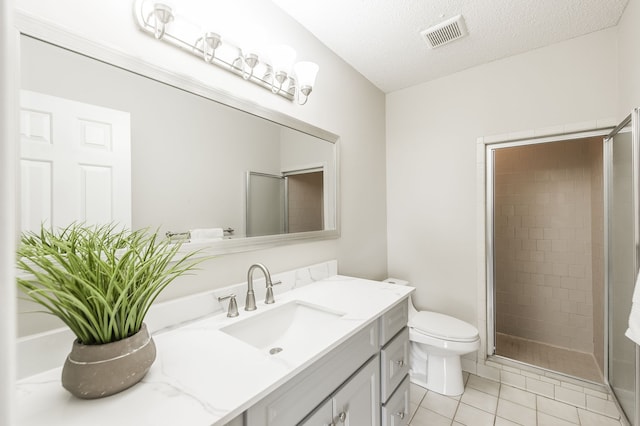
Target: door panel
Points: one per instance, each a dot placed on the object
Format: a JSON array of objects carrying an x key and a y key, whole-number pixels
[
  {"x": 265, "y": 209},
  {"x": 622, "y": 230},
  {"x": 75, "y": 162}
]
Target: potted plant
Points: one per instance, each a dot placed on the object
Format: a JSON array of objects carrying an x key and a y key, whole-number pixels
[{"x": 101, "y": 282}]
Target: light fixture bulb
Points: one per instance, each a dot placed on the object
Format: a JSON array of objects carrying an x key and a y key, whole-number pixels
[{"x": 306, "y": 73}]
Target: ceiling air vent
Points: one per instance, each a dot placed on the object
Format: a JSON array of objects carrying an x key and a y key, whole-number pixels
[{"x": 445, "y": 32}]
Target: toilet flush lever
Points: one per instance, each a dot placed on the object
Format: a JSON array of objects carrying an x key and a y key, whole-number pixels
[{"x": 400, "y": 363}]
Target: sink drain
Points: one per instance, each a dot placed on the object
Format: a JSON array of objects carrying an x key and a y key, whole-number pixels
[{"x": 274, "y": 351}]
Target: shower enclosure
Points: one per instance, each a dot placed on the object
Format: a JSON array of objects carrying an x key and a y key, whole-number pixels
[
  {"x": 623, "y": 228},
  {"x": 562, "y": 255},
  {"x": 265, "y": 206},
  {"x": 290, "y": 202}
]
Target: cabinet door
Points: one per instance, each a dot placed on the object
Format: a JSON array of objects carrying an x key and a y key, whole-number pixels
[
  {"x": 357, "y": 403},
  {"x": 323, "y": 416}
]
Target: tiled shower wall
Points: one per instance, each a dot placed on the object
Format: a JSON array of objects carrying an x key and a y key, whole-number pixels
[
  {"x": 305, "y": 202},
  {"x": 543, "y": 216}
]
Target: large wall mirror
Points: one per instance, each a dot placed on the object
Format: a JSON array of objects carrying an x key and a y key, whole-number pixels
[{"x": 149, "y": 152}]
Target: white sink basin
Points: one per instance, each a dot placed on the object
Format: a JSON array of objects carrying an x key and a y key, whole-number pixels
[{"x": 291, "y": 332}]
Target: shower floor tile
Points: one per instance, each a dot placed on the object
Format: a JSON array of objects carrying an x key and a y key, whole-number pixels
[{"x": 573, "y": 363}]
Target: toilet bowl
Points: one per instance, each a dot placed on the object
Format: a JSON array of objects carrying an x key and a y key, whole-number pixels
[{"x": 437, "y": 342}]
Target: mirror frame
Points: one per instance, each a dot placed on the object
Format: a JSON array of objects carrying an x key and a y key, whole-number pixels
[{"x": 47, "y": 32}]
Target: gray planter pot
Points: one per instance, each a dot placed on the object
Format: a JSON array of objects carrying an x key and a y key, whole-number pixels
[{"x": 96, "y": 371}]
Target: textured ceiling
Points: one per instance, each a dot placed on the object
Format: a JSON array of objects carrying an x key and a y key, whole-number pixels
[{"x": 381, "y": 38}]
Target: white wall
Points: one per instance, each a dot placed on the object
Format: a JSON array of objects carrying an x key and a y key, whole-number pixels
[
  {"x": 342, "y": 102},
  {"x": 431, "y": 154},
  {"x": 629, "y": 59}
]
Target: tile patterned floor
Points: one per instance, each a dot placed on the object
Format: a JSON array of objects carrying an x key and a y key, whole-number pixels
[
  {"x": 573, "y": 363},
  {"x": 485, "y": 402}
]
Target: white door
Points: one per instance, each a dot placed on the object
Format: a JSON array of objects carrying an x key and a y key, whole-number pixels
[{"x": 75, "y": 162}]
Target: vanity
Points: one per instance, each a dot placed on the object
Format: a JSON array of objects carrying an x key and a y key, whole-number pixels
[{"x": 331, "y": 350}]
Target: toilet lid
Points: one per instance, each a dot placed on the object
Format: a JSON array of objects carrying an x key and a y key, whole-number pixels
[{"x": 443, "y": 326}]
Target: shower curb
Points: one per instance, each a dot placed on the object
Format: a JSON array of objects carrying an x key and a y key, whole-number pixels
[{"x": 579, "y": 393}]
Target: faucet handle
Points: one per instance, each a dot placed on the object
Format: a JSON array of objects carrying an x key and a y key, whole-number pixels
[
  {"x": 269, "y": 297},
  {"x": 233, "y": 305}
]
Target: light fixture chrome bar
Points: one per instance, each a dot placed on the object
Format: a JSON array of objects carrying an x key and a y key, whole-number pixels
[{"x": 206, "y": 46}]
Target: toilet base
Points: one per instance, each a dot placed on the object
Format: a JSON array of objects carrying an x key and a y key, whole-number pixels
[{"x": 438, "y": 373}]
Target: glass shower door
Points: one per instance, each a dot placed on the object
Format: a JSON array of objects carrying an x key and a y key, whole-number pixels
[
  {"x": 265, "y": 204},
  {"x": 622, "y": 260}
]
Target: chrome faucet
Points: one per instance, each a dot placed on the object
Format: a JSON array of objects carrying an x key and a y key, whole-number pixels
[{"x": 250, "y": 303}]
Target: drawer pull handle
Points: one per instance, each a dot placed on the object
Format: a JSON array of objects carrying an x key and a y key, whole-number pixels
[
  {"x": 400, "y": 363},
  {"x": 400, "y": 414},
  {"x": 342, "y": 417}
]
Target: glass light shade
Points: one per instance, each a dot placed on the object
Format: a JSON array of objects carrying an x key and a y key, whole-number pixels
[
  {"x": 282, "y": 58},
  {"x": 306, "y": 73}
]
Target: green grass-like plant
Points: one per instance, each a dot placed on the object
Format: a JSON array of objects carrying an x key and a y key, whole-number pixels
[{"x": 98, "y": 280}]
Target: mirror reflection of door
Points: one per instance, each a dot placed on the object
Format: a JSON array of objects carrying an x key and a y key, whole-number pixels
[
  {"x": 305, "y": 204},
  {"x": 265, "y": 213},
  {"x": 75, "y": 162},
  {"x": 287, "y": 203}
]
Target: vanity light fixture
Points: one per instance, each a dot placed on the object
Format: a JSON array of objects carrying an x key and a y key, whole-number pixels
[
  {"x": 162, "y": 15},
  {"x": 251, "y": 60},
  {"x": 305, "y": 73},
  {"x": 275, "y": 71},
  {"x": 209, "y": 42},
  {"x": 281, "y": 58}
]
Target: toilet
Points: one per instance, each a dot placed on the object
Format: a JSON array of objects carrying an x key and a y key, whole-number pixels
[{"x": 437, "y": 342}]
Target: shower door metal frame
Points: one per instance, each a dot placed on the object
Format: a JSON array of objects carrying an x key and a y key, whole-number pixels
[
  {"x": 632, "y": 121},
  {"x": 490, "y": 148},
  {"x": 247, "y": 193}
]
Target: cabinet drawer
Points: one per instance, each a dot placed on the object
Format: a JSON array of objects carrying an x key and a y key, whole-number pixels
[
  {"x": 394, "y": 363},
  {"x": 393, "y": 321},
  {"x": 396, "y": 411}
]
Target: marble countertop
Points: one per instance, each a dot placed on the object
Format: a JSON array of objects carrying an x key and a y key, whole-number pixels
[{"x": 201, "y": 375}]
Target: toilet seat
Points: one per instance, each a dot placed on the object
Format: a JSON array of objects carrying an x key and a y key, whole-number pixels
[{"x": 443, "y": 327}]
